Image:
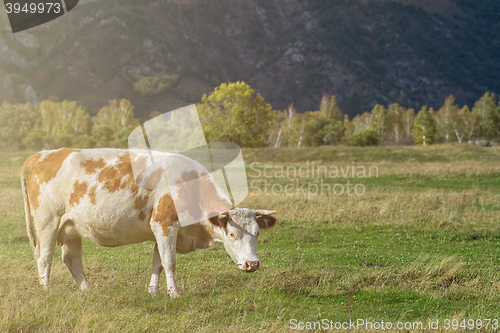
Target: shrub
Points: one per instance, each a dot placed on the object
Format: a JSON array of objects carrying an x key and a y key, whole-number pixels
[
  {"x": 83, "y": 141},
  {"x": 63, "y": 140},
  {"x": 366, "y": 137},
  {"x": 156, "y": 84},
  {"x": 34, "y": 139},
  {"x": 102, "y": 136}
]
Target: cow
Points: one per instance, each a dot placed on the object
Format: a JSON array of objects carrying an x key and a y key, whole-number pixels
[{"x": 92, "y": 193}]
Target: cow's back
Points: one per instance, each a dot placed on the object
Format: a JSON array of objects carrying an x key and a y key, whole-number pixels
[{"x": 93, "y": 192}]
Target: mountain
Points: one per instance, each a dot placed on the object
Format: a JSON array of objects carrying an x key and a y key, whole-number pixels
[{"x": 365, "y": 52}]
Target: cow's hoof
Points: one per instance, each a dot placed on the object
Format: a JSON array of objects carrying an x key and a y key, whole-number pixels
[
  {"x": 154, "y": 290},
  {"x": 174, "y": 295},
  {"x": 85, "y": 286}
]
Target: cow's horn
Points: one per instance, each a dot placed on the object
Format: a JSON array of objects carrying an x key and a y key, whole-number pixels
[
  {"x": 264, "y": 212},
  {"x": 223, "y": 215}
]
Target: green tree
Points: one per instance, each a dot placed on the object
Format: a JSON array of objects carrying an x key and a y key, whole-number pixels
[
  {"x": 380, "y": 120},
  {"x": 312, "y": 129},
  {"x": 314, "y": 135},
  {"x": 443, "y": 117},
  {"x": 155, "y": 85},
  {"x": 366, "y": 137},
  {"x": 407, "y": 119},
  {"x": 113, "y": 124},
  {"x": 234, "y": 112},
  {"x": 464, "y": 123},
  {"x": 298, "y": 130},
  {"x": 66, "y": 117},
  {"x": 329, "y": 108},
  {"x": 63, "y": 123},
  {"x": 18, "y": 120},
  {"x": 396, "y": 127},
  {"x": 349, "y": 127},
  {"x": 472, "y": 122},
  {"x": 361, "y": 122},
  {"x": 330, "y": 122},
  {"x": 102, "y": 136},
  {"x": 117, "y": 115},
  {"x": 489, "y": 115},
  {"x": 424, "y": 127},
  {"x": 282, "y": 128},
  {"x": 333, "y": 133},
  {"x": 37, "y": 139}
]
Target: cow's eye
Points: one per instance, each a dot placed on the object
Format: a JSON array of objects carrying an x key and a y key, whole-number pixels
[
  {"x": 232, "y": 235},
  {"x": 258, "y": 233}
]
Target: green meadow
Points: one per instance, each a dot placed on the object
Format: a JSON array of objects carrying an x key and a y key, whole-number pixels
[{"x": 421, "y": 243}]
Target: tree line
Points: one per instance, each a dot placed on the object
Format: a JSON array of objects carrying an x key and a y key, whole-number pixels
[
  {"x": 65, "y": 124},
  {"x": 234, "y": 112}
]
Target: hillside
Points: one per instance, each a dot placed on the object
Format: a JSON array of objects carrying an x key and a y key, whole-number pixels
[{"x": 364, "y": 52}]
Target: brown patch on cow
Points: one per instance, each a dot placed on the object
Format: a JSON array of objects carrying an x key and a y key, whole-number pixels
[
  {"x": 92, "y": 195},
  {"x": 30, "y": 163},
  {"x": 121, "y": 175},
  {"x": 90, "y": 166},
  {"x": 140, "y": 163},
  {"x": 140, "y": 202},
  {"x": 50, "y": 165},
  {"x": 32, "y": 186},
  {"x": 110, "y": 178},
  {"x": 142, "y": 215},
  {"x": 79, "y": 190},
  {"x": 164, "y": 214},
  {"x": 124, "y": 167},
  {"x": 153, "y": 179},
  {"x": 124, "y": 164},
  {"x": 37, "y": 171}
]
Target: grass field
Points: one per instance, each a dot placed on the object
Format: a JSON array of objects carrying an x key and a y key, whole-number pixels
[{"x": 420, "y": 244}]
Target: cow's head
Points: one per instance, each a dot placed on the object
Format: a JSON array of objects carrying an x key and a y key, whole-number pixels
[{"x": 239, "y": 230}]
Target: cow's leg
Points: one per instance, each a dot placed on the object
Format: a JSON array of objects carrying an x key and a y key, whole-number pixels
[
  {"x": 166, "y": 249},
  {"x": 72, "y": 257},
  {"x": 46, "y": 243},
  {"x": 154, "y": 286}
]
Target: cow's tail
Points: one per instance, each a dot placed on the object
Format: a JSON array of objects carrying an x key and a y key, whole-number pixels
[{"x": 27, "y": 209}]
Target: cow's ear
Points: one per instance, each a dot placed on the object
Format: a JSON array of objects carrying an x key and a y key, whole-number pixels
[
  {"x": 266, "y": 221},
  {"x": 220, "y": 220}
]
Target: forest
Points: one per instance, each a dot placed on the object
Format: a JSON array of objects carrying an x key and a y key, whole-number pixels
[{"x": 234, "y": 112}]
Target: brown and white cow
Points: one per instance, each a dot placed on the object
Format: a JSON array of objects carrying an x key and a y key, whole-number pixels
[{"x": 92, "y": 193}]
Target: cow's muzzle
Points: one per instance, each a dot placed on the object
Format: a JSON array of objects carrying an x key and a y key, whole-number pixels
[{"x": 251, "y": 266}]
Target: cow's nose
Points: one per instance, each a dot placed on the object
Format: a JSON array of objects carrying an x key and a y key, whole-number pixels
[{"x": 251, "y": 266}]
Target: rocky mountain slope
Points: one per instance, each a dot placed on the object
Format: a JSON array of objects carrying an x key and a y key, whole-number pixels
[{"x": 411, "y": 52}]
